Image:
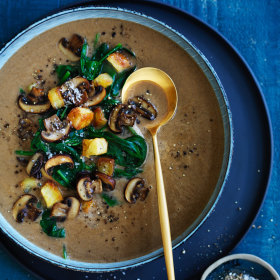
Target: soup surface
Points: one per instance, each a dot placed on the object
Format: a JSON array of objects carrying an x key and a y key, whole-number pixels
[{"x": 191, "y": 146}]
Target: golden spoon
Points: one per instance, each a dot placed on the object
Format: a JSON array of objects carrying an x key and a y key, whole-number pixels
[{"x": 164, "y": 81}]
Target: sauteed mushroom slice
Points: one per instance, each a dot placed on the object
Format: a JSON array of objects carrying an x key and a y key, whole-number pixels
[
  {"x": 135, "y": 189},
  {"x": 74, "y": 207},
  {"x": 24, "y": 207},
  {"x": 122, "y": 115},
  {"x": 72, "y": 48},
  {"x": 113, "y": 119},
  {"x": 68, "y": 209},
  {"x": 59, "y": 211},
  {"x": 87, "y": 187},
  {"x": 34, "y": 165},
  {"x": 55, "y": 129},
  {"x": 96, "y": 95},
  {"x": 58, "y": 160},
  {"x": 30, "y": 107},
  {"x": 145, "y": 108},
  {"x": 75, "y": 91},
  {"x": 108, "y": 183},
  {"x": 36, "y": 95},
  {"x": 127, "y": 116}
]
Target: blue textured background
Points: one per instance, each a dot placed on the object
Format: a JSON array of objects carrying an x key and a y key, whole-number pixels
[{"x": 252, "y": 26}]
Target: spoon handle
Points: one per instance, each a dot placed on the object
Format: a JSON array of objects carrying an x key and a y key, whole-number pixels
[{"x": 163, "y": 215}]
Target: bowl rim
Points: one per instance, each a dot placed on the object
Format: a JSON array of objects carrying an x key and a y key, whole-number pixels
[
  {"x": 242, "y": 256},
  {"x": 227, "y": 123}
]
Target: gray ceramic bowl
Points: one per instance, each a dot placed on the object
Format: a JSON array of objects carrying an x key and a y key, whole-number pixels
[
  {"x": 93, "y": 12},
  {"x": 237, "y": 264}
]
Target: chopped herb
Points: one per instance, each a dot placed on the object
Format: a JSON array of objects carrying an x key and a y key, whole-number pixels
[
  {"x": 64, "y": 252},
  {"x": 24, "y": 153}
]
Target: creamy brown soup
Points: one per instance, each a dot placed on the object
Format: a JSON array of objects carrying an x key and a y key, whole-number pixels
[{"x": 191, "y": 146}]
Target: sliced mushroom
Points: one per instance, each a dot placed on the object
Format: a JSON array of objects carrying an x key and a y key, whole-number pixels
[
  {"x": 74, "y": 207},
  {"x": 108, "y": 183},
  {"x": 45, "y": 174},
  {"x": 26, "y": 129},
  {"x": 96, "y": 95},
  {"x": 145, "y": 108},
  {"x": 36, "y": 95},
  {"x": 113, "y": 119},
  {"x": 72, "y": 48},
  {"x": 127, "y": 116},
  {"x": 122, "y": 115},
  {"x": 29, "y": 107},
  {"x": 55, "y": 129},
  {"x": 34, "y": 165},
  {"x": 135, "y": 189},
  {"x": 87, "y": 187},
  {"x": 68, "y": 209},
  {"x": 56, "y": 161},
  {"x": 24, "y": 207},
  {"x": 75, "y": 91},
  {"x": 59, "y": 211}
]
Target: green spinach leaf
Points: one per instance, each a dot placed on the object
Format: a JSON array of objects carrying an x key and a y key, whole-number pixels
[{"x": 48, "y": 225}]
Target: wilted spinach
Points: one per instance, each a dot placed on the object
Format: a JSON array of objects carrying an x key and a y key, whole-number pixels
[{"x": 48, "y": 225}]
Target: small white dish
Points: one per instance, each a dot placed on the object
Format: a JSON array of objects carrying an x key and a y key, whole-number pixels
[{"x": 243, "y": 263}]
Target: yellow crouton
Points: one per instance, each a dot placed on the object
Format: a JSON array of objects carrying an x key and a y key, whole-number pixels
[
  {"x": 29, "y": 184},
  {"x": 80, "y": 117},
  {"x": 94, "y": 147},
  {"x": 51, "y": 193},
  {"x": 104, "y": 80},
  {"x": 99, "y": 119},
  {"x": 55, "y": 98},
  {"x": 119, "y": 61}
]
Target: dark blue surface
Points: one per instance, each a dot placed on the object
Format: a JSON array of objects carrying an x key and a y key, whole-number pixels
[{"x": 251, "y": 152}]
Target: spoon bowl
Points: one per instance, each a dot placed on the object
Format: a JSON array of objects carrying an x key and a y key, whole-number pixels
[{"x": 161, "y": 79}]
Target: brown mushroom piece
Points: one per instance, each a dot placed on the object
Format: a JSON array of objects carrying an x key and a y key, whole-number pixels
[
  {"x": 24, "y": 207},
  {"x": 108, "y": 183},
  {"x": 29, "y": 107},
  {"x": 56, "y": 161},
  {"x": 75, "y": 91},
  {"x": 34, "y": 165},
  {"x": 113, "y": 119},
  {"x": 135, "y": 189},
  {"x": 122, "y": 115},
  {"x": 86, "y": 188},
  {"x": 127, "y": 116},
  {"x": 36, "y": 95},
  {"x": 72, "y": 48},
  {"x": 96, "y": 95},
  {"x": 68, "y": 209},
  {"x": 55, "y": 129},
  {"x": 145, "y": 108}
]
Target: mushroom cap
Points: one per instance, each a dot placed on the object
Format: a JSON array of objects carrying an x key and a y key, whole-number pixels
[
  {"x": 24, "y": 207},
  {"x": 113, "y": 119},
  {"x": 33, "y": 108},
  {"x": 108, "y": 183},
  {"x": 95, "y": 96},
  {"x": 144, "y": 107},
  {"x": 55, "y": 129},
  {"x": 86, "y": 188},
  {"x": 135, "y": 189},
  {"x": 34, "y": 165},
  {"x": 58, "y": 160},
  {"x": 72, "y": 48}
]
